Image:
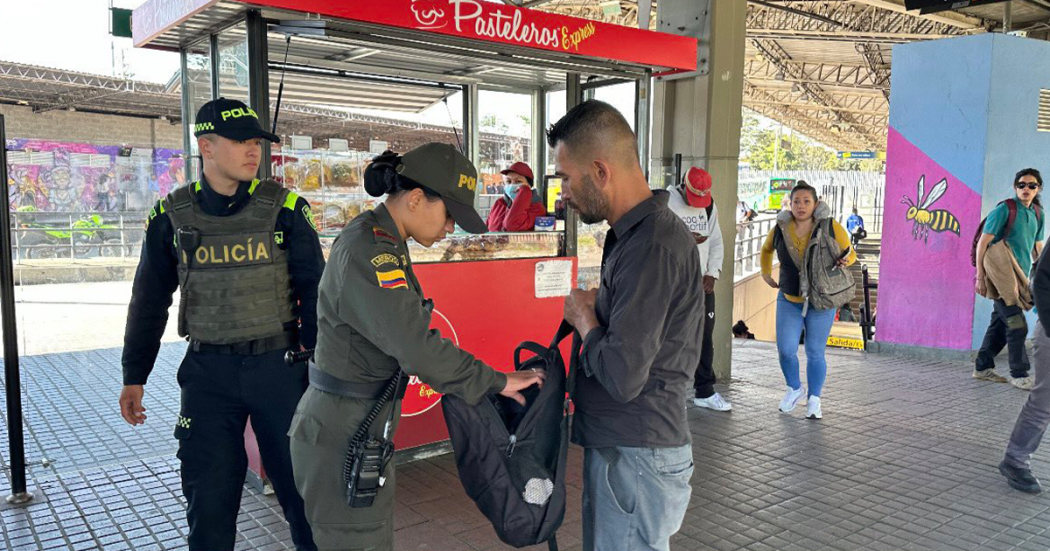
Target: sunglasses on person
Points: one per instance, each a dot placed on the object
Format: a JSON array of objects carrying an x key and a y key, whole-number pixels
[{"x": 1029, "y": 185}]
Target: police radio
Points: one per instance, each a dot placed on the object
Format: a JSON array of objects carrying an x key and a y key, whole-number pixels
[
  {"x": 368, "y": 456},
  {"x": 188, "y": 239}
]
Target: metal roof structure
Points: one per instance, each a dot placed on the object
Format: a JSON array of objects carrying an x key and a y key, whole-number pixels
[
  {"x": 44, "y": 89},
  {"x": 823, "y": 67}
]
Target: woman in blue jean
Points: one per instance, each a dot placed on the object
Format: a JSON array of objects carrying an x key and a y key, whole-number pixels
[{"x": 789, "y": 239}]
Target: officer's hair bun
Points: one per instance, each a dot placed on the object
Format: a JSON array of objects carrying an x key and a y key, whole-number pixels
[{"x": 381, "y": 174}]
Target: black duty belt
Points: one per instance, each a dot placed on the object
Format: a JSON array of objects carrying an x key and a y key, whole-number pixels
[
  {"x": 326, "y": 382},
  {"x": 247, "y": 348}
]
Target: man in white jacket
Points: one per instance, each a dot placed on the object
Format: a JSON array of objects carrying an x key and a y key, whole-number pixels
[{"x": 692, "y": 202}]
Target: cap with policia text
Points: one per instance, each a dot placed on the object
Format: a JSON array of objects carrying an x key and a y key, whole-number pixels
[
  {"x": 231, "y": 119},
  {"x": 447, "y": 172}
]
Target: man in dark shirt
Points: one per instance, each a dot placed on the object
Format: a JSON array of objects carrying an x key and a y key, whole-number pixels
[
  {"x": 642, "y": 332},
  {"x": 248, "y": 260}
]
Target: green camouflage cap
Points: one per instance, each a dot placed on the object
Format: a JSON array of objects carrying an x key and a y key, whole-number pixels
[{"x": 447, "y": 172}]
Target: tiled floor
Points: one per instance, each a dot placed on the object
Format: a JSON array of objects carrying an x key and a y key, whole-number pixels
[{"x": 903, "y": 459}]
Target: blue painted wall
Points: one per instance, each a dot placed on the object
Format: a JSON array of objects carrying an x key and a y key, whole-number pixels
[
  {"x": 1020, "y": 68},
  {"x": 939, "y": 101}
]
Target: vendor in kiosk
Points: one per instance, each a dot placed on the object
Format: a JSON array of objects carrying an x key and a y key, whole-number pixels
[
  {"x": 520, "y": 205},
  {"x": 373, "y": 333}
]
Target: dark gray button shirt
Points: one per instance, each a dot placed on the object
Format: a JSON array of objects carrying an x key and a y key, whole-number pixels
[{"x": 636, "y": 368}]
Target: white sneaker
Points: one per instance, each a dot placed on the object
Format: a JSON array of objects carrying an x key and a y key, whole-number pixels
[
  {"x": 813, "y": 408},
  {"x": 715, "y": 402},
  {"x": 792, "y": 398},
  {"x": 1023, "y": 383}
]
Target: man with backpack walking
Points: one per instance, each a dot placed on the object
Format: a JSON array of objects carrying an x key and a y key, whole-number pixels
[
  {"x": 1017, "y": 222},
  {"x": 692, "y": 202},
  {"x": 641, "y": 331}
]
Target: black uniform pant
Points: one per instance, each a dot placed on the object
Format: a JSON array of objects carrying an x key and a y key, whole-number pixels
[
  {"x": 704, "y": 381},
  {"x": 1009, "y": 329},
  {"x": 219, "y": 393}
]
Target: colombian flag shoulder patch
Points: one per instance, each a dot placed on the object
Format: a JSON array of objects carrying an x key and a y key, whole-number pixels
[{"x": 394, "y": 279}]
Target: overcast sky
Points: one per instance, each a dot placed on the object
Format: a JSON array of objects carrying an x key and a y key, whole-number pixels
[{"x": 74, "y": 35}]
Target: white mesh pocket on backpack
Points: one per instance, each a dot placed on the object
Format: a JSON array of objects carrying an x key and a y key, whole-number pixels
[{"x": 538, "y": 491}]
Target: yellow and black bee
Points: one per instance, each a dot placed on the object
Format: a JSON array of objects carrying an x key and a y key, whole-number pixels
[{"x": 925, "y": 220}]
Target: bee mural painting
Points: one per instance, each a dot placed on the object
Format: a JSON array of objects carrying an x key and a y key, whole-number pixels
[{"x": 923, "y": 219}]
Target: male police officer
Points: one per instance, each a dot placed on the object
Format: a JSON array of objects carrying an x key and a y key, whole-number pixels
[{"x": 248, "y": 261}]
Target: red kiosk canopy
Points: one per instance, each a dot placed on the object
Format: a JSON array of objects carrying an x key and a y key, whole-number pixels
[{"x": 475, "y": 20}]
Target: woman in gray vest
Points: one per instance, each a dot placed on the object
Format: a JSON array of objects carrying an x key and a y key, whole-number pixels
[
  {"x": 790, "y": 240},
  {"x": 374, "y": 323}
]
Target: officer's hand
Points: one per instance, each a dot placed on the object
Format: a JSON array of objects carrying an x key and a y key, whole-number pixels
[
  {"x": 769, "y": 281},
  {"x": 131, "y": 405},
  {"x": 520, "y": 380}
]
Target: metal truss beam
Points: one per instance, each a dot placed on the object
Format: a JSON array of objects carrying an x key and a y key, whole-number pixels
[
  {"x": 780, "y": 58},
  {"x": 842, "y": 35},
  {"x": 851, "y": 76},
  {"x": 858, "y": 17},
  {"x": 878, "y": 69},
  {"x": 957, "y": 20},
  {"x": 800, "y": 121},
  {"x": 29, "y": 72}
]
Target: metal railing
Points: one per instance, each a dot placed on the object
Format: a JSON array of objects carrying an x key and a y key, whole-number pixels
[
  {"x": 749, "y": 239},
  {"x": 76, "y": 235},
  {"x": 867, "y": 319}
]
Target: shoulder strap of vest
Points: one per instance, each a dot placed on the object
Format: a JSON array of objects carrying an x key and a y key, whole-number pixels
[
  {"x": 180, "y": 199},
  {"x": 267, "y": 199}
]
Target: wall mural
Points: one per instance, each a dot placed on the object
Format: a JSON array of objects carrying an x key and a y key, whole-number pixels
[
  {"x": 925, "y": 277},
  {"x": 925, "y": 219},
  {"x": 76, "y": 177}
]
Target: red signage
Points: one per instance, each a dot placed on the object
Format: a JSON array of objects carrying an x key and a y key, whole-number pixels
[{"x": 493, "y": 22}]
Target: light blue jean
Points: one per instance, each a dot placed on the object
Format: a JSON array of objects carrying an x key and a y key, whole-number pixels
[
  {"x": 634, "y": 499},
  {"x": 789, "y": 329}
]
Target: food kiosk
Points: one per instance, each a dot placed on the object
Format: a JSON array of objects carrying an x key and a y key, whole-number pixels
[{"x": 323, "y": 68}]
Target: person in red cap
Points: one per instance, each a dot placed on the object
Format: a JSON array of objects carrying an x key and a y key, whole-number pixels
[
  {"x": 692, "y": 202},
  {"x": 520, "y": 205}
]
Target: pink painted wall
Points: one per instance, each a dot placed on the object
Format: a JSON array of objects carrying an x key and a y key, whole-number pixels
[{"x": 926, "y": 295}]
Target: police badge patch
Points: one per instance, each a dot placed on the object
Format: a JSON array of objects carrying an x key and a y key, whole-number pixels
[{"x": 309, "y": 214}]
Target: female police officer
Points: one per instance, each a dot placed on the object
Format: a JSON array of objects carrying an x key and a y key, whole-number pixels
[{"x": 372, "y": 320}]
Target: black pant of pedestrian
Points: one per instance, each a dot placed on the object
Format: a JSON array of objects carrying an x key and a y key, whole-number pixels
[
  {"x": 704, "y": 381},
  {"x": 1009, "y": 329},
  {"x": 219, "y": 393}
]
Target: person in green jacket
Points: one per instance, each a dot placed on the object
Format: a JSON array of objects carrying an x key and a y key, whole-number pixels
[{"x": 373, "y": 318}]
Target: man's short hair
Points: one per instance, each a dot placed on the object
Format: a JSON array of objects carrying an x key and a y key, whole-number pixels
[{"x": 591, "y": 126}]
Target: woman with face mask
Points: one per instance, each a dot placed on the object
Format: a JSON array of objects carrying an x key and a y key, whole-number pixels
[
  {"x": 373, "y": 325},
  {"x": 520, "y": 205},
  {"x": 789, "y": 240}
]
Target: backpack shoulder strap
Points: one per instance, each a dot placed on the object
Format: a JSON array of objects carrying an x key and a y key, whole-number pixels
[
  {"x": 1011, "y": 206},
  {"x": 709, "y": 209}
]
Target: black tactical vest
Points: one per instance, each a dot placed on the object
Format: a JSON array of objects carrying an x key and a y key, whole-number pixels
[{"x": 234, "y": 277}]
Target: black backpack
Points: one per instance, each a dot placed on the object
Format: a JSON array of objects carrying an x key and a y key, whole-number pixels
[
  {"x": 1011, "y": 205},
  {"x": 512, "y": 459}
]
